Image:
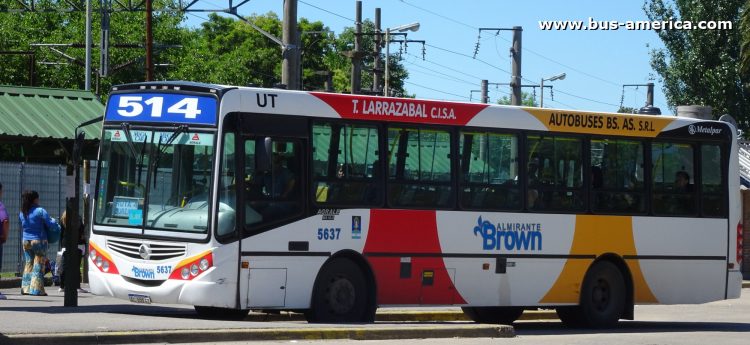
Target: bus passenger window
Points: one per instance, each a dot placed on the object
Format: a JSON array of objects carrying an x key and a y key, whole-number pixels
[
  {"x": 419, "y": 162},
  {"x": 489, "y": 171},
  {"x": 673, "y": 178},
  {"x": 346, "y": 164},
  {"x": 712, "y": 189},
  {"x": 617, "y": 176},
  {"x": 555, "y": 172}
]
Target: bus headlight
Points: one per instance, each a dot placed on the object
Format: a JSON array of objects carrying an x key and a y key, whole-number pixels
[
  {"x": 92, "y": 254},
  {"x": 98, "y": 261},
  {"x": 194, "y": 269},
  {"x": 203, "y": 264},
  {"x": 105, "y": 266},
  {"x": 185, "y": 273}
]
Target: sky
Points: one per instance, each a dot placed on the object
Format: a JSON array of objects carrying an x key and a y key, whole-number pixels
[{"x": 596, "y": 63}]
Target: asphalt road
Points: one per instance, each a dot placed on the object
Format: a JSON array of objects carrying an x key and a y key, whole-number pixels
[{"x": 723, "y": 322}]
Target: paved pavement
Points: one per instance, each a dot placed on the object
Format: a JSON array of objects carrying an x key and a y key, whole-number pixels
[{"x": 24, "y": 318}]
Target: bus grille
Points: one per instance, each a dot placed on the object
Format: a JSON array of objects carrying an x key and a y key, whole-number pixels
[{"x": 158, "y": 251}]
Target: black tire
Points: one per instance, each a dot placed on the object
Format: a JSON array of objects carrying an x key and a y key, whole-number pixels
[
  {"x": 215, "y": 313},
  {"x": 339, "y": 294},
  {"x": 493, "y": 315},
  {"x": 571, "y": 316},
  {"x": 602, "y": 299}
]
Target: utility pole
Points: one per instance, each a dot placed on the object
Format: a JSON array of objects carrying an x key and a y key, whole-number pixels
[
  {"x": 515, "y": 81},
  {"x": 376, "y": 70},
  {"x": 290, "y": 64},
  {"x": 484, "y": 91},
  {"x": 88, "y": 46},
  {"x": 149, "y": 42},
  {"x": 356, "y": 63},
  {"x": 649, "y": 109}
]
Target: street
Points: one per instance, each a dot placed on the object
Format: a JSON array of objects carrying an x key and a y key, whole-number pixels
[{"x": 725, "y": 322}]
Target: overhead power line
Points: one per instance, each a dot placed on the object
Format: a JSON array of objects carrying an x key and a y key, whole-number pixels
[
  {"x": 429, "y": 88},
  {"x": 324, "y": 10},
  {"x": 441, "y": 16},
  {"x": 524, "y": 48}
]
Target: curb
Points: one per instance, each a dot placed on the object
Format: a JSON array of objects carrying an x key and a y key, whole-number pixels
[
  {"x": 404, "y": 316},
  {"x": 746, "y": 284},
  {"x": 224, "y": 335}
]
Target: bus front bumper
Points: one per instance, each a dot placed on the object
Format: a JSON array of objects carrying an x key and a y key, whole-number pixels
[{"x": 202, "y": 290}]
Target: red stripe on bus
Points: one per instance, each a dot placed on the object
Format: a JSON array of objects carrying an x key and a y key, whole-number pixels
[
  {"x": 400, "y": 109},
  {"x": 399, "y": 231}
]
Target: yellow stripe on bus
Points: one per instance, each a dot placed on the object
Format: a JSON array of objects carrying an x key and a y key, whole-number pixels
[
  {"x": 598, "y": 235},
  {"x": 574, "y": 121}
]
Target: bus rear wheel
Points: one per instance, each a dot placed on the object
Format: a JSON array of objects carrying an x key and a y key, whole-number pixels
[
  {"x": 339, "y": 294},
  {"x": 602, "y": 299},
  {"x": 494, "y": 315},
  {"x": 215, "y": 313}
]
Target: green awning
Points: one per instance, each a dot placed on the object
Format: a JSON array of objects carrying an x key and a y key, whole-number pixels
[{"x": 35, "y": 112}]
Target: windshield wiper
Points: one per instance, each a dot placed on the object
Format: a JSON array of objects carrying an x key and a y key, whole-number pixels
[
  {"x": 138, "y": 157},
  {"x": 161, "y": 150}
]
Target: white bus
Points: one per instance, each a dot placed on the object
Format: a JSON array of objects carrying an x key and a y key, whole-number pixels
[{"x": 234, "y": 198}]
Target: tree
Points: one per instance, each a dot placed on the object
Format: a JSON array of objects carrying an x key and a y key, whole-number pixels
[
  {"x": 701, "y": 66},
  {"x": 626, "y": 110},
  {"x": 18, "y": 30},
  {"x": 527, "y": 100}
]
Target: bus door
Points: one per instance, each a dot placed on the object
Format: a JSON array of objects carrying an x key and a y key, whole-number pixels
[{"x": 271, "y": 197}]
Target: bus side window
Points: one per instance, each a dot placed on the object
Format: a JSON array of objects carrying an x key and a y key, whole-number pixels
[
  {"x": 616, "y": 176},
  {"x": 346, "y": 164},
  {"x": 712, "y": 189},
  {"x": 488, "y": 174},
  {"x": 672, "y": 178},
  {"x": 419, "y": 164}
]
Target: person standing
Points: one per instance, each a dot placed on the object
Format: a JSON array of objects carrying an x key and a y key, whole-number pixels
[
  {"x": 33, "y": 221},
  {"x": 79, "y": 252},
  {"x": 4, "y": 228}
]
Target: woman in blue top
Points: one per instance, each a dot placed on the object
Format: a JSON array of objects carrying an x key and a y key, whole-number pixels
[{"x": 33, "y": 221}]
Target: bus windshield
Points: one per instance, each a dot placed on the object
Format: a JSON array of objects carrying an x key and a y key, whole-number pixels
[{"x": 177, "y": 182}]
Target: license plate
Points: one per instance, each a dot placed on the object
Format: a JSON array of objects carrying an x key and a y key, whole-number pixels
[{"x": 139, "y": 298}]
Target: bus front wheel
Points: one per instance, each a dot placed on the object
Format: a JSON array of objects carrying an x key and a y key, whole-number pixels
[
  {"x": 494, "y": 315},
  {"x": 339, "y": 294},
  {"x": 602, "y": 299}
]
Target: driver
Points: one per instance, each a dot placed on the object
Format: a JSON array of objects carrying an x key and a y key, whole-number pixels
[{"x": 279, "y": 182}]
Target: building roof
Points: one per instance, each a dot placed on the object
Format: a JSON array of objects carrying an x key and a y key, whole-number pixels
[{"x": 42, "y": 113}]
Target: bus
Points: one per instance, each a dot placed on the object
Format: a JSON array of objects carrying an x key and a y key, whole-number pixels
[{"x": 233, "y": 199}]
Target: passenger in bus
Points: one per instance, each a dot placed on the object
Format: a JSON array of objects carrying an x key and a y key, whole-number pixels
[
  {"x": 277, "y": 184},
  {"x": 681, "y": 202},
  {"x": 682, "y": 182},
  {"x": 531, "y": 196},
  {"x": 532, "y": 171}
]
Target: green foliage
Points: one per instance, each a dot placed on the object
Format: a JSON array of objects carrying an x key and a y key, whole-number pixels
[
  {"x": 18, "y": 30},
  {"x": 223, "y": 50},
  {"x": 701, "y": 67},
  {"x": 626, "y": 110},
  {"x": 527, "y": 100}
]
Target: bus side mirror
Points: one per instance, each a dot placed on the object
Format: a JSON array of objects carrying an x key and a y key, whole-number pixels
[
  {"x": 263, "y": 154},
  {"x": 78, "y": 147}
]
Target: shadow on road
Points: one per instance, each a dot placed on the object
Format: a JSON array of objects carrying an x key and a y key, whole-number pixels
[{"x": 625, "y": 327}]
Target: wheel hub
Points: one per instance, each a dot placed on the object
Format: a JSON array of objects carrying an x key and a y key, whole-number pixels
[
  {"x": 340, "y": 295},
  {"x": 601, "y": 294}
]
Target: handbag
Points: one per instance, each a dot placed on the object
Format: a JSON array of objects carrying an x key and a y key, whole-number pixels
[{"x": 53, "y": 233}]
